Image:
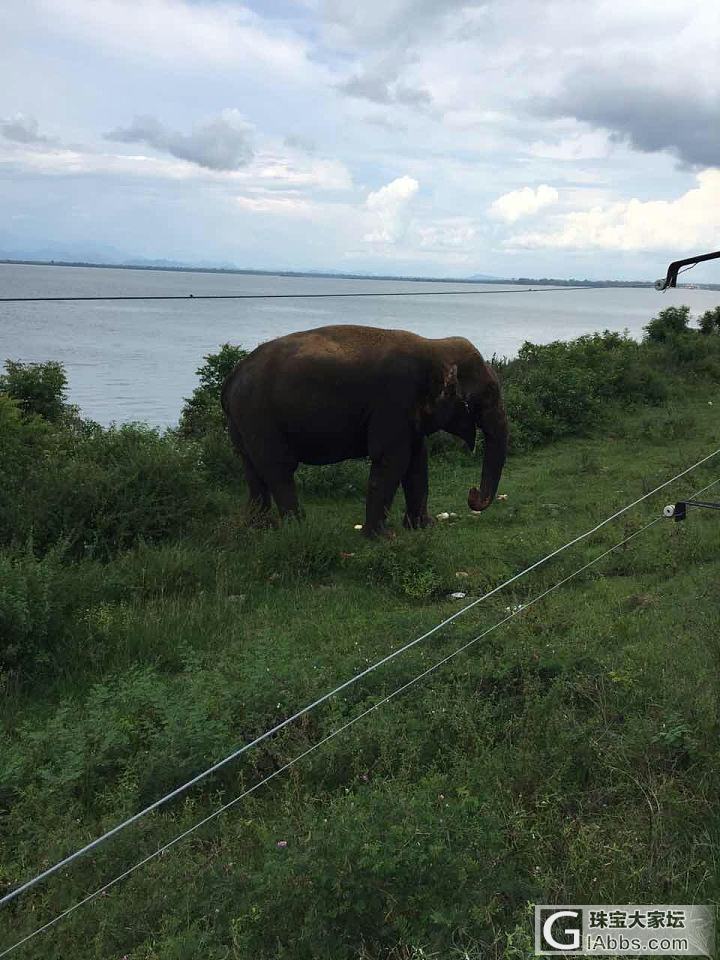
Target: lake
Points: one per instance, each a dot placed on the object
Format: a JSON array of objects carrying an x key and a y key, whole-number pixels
[{"x": 137, "y": 360}]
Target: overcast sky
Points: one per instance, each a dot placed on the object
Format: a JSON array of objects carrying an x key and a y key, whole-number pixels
[{"x": 433, "y": 137}]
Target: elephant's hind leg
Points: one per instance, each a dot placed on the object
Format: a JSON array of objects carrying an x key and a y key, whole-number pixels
[
  {"x": 258, "y": 490},
  {"x": 282, "y": 487}
]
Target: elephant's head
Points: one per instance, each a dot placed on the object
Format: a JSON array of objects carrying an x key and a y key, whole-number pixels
[{"x": 471, "y": 400}]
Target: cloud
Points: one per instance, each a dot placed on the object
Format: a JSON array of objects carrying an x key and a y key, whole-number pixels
[
  {"x": 683, "y": 122},
  {"x": 282, "y": 206},
  {"x": 22, "y": 129},
  {"x": 296, "y": 141},
  {"x": 522, "y": 203},
  {"x": 452, "y": 234},
  {"x": 379, "y": 89},
  {"x": 269, "y": 169},
  {"x": 689, "y": 222},
  {"x": 222, "y": 143},
  {"x": 374, "y": 21},
  {"x": 389, "y": 209},
  {"x": 219, "y": 35}
]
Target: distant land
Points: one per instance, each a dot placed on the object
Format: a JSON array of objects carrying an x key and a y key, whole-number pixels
[{"x": 178, "y": 267}]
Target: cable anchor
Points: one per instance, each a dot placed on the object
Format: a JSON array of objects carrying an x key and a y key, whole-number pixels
[{"x": 678, "y": 511}]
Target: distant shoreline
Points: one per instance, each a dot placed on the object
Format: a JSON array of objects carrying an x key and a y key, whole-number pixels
[{"x": 175, "y": 268}]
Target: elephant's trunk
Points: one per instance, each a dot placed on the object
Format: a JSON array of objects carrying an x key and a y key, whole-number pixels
[{"x": 495, "y": 432}]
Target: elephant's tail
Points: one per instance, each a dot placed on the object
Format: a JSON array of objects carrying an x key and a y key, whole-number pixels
[
  {"x": 232, "y": 427},
  {"x": 223, "y": 395}
]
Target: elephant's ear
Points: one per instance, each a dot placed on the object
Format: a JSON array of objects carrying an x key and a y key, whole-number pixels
[{"x": 449, "y": 381}]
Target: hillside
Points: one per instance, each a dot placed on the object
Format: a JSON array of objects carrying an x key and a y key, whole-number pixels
[{"x": 147, "y": 630}]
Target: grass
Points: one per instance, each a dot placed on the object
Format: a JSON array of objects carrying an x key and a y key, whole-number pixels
[{"x": 570, "y": 756}]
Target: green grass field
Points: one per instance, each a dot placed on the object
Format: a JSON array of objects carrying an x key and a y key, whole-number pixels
[{"x": 571, "y": 756}]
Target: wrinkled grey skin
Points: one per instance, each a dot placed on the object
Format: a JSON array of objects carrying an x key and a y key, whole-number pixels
[{"x": 342, "y": 392}]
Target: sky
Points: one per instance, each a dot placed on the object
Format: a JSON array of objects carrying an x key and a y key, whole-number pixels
[{"x": 560, "y": 138}]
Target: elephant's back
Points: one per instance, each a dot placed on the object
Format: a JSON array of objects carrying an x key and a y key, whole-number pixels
[{"x": 345, "y": 369}]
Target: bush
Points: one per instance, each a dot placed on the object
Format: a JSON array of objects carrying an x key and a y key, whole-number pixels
[
  {"x": 39, "y": 388},
  {"x": 411, "y": 567},
  {"x": 709, "y": 322},
  {"x": 560, "y": 389},
  {"x": 668, "y": 324},
  {"x": 25, "y": 442},
  {"x": 99, "y": 491},
  {"x": 202, "y": 419},
  {"x": 121, "y": 486},
  {"x": 28, "y": 614},
  {"x": 334, "y": 479},
  {"x": 202, "y": 412}
]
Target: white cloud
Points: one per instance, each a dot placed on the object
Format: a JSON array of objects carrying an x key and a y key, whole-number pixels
[
  {"x": 278, "y": 205},
  {"x": 470, "y": 98},
  {"x": 579, "y": 145},
  {"x": 217, "y": 35},
  {"x": 523, "y": 203},
  {"x": 454, "y": 233},
  {"x": 299, "y": 171},
  {"x": 691, "y": 221},
  {"x": 389, "y": 209},
  {"x": 270, "y": 168},
  {"x": 221, "y": 143}
]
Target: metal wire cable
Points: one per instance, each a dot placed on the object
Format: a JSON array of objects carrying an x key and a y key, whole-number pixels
[
  {"x": 338, "y": 730},
  {"x": 338, "y": 689},
  {"x": 298, "y": 296}
]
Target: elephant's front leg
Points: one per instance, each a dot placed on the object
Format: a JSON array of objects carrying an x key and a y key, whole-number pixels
[
  {"x": 385, "y": 475},
  {"x": 415, "y": 487}
]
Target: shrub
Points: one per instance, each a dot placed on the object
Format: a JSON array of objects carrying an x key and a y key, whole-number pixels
[
  {"x": 709, "y": 322},
  {"x": 28, "y": 614},
  {"x": 121, "y": 486},
  {"x": 100, "y": 491},
  {"x": 39, "y": 388},
  {"x": 25, "y": 442},
  {"x": 668, "y": 324},
  {"x": 202, "y": 411},
  {"x": 202, "y": 419},
  {"x": 560, "y": 389},
  {"x": 334, "y": 479},
  {"x": 410, "y": 566}
]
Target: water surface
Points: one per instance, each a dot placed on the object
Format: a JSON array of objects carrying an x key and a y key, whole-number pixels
[{"x": 137, "y": 360}]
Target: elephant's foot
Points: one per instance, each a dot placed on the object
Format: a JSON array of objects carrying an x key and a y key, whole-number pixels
[
  {"x": 418, "y": 523},
  {"x": 258, "y": 518},
  {"x": 378, "y": 533}
]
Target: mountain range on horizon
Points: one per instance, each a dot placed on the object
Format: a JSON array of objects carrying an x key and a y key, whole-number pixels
[{"x": 109, "y": 256}]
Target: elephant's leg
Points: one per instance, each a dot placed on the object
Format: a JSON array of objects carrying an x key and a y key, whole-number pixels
[
  {"x": 415, "y": 487},
  {"x": 276, "y": 465},
  {"x": 259, "y": 492},
  {"x": 382, "y": 485},
  {"x": 282, "y": 487},
  {"x": 386, "y": 472}
]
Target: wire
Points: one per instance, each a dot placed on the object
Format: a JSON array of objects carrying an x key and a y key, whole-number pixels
[
  {"x": 338, "y": 730},
  {"x": 338, "y": 689},
  {"x": 298, "y": 296}
]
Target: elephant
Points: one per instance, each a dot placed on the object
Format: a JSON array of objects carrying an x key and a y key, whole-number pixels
[{"x": 346, "y": 392}]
